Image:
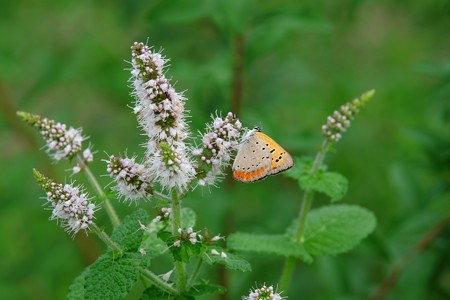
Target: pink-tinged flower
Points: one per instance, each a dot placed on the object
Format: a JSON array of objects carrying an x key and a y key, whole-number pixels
[
  {"x": 160, "y": 113},
  {"x": 130, "y": 177},
  {"x": 61, "y": 142},
  {"x": 70, "y": 205},
  {"x": 219, "y": 142},
  {"x": 340, "y": 120},
  {"x": 263, "y": 293}
]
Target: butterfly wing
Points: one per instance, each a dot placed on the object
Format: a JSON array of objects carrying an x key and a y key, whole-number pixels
[
  {"x": 281, "y": 160},
  {"x": 253, "y": 160}
]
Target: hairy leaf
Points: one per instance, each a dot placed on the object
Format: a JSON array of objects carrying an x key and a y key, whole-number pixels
[
  {"x": 231, "y": 261},
  {"x": 129, "y": 233},
  {"x": 335, "y": 229},
  {"x": 270, "y": 244}
]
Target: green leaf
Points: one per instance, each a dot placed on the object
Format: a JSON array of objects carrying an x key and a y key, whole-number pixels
[
  {"x": 110, "y": 278},
  {"x": 185, "y": 251},
  {"x": 301, "y": 167},
  {"x": 188, "y": 218},
  {"x": 270, "y": 244},
  {"x": 76, "y": 289},
  {"x": 205, "y": 287},
  {"x": 153, "y": 293},
  {"x": 151, "y": 242},
  {"x": 231, "y": 261},
  {"x": 331, "y": 184},
  {"x": 335, "y": 229},
  {"x": 129, "y": 233}
]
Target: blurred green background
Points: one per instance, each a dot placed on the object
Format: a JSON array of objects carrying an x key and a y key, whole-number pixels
[{"x": 300, "y": 60}]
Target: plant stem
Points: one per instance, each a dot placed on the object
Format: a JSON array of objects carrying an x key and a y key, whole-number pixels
[
  {"x": 195, "y": 273},
  {"x": 427, "y": 239},
  {"x": 161, "y": 196},
  {"x": 106, "y": 239},
  {"x": 158, "y": 281},
  {"x": 101, "y": 194},
  {"x": 176, "y": 223},
  {"x": 289, "y": 265}
]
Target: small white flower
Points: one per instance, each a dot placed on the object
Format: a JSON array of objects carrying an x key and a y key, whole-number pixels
[
  {"x": 76, "y": 169},
  {"x": 61, "y": 142},
  {"x": 132, "y": 182},
  {"x": 177, "y": 243},
  {"x": 264, "y": 293},
  {"x": 87, "y": 155},
  {"x": 166, "y": 276},
  {"x": 70, "y": 205},
  {"x": 142, "y": 251},
  {"x": 223, "y": 254},
  {"x": 215, "y": 252}
]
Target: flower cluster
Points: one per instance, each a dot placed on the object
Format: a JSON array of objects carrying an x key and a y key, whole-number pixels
[
  {"x": 163, "y": 214},
  {"x": 132, "y": 182},
  {"x": 221, "y": 254},
  {"x": 70, "y": 205},
  {"x": 160, "y": 111},
  {"x": 60, "y": 141},
  {"x": 263, "y": 293},
  {"x": 219, "y": 142},
  {"x": 188, "y": 235},
  {"x": 340, "y": 120}
]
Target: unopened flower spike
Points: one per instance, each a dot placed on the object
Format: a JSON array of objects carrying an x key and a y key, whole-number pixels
[
  {"x": 132, "y": 181},
  {"x": 160, "y": 113},
  {"x": 264, "y": 293},
  {"x": 71, "y": 206},
  {"x": 61, "y": 142},
  {"x": 340, "y": 120},
  {"x": 219, "y": 142}
]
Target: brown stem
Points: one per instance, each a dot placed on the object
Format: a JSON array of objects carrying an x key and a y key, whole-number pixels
[
  {"x": 426, "y": 240},
  {"x": 238, "y": 74}
]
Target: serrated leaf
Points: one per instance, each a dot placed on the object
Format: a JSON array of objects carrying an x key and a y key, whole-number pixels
[
  {"x": 331, "y": 184},
  {"x": 302, "y": 166},
  {"x": 185, "y": 251},
  {"x": 270, "y": 244},
  {"x": 188, "y": 218},
  {"x": 76, "y": 289},
  {"x": 110, "y": 278},
  {"x": 153, "y": 293},
  {"x": 129, "y": 233},
  {"x": 207, "y": 288},
  {"x": 335, "y": 229},
  {"x": 230, "y": 260}
]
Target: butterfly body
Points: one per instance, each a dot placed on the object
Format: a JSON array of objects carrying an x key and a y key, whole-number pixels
[{"x": 258, "y": 157}]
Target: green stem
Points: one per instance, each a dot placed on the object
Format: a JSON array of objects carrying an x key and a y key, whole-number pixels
[
  {"x": 176, "y": 223},
  {"x": 101, "y": 194},
  {"x": 195, "y": 273},
  {"x": 289, "y": 265},
  {"x": 161, "y": 196},
  {"x": 158, "y": 281},
  {"x": 105, "y": 238}
]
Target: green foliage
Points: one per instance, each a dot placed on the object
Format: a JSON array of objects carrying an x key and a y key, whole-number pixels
[
  {"x": 129, "y": 233},
  {"x": 185, "y": 251},
  {"x": 332, "y": 184},
  {"x": 229, "y": 260},
  {"x": 108, "y": 278},
  {"x": 153, "y": 293},
  {"x": 188, "y": 218},
  {"x": 268, "y": 244},
  {"x": 335, "y": 229},
  {"x": 204, "y": 287}
]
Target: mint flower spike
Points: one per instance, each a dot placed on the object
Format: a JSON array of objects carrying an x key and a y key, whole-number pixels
[
  {"x": 219, "y": 142},
  {"x": 264, "y": 293},
  {"x": 132, "y": 182},
  {"x": 340, "y": 120},
  {"x": 71, "y": 206},
  {"x": 160, "y": 112},
  {"x": 61, "y": 142}
]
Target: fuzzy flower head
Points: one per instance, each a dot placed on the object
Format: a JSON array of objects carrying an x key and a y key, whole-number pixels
[
  {"x": 71, "y": 207},
  {"x": 160, "y": 113},
  {"x": 130, "y": 178},
  {"x": 188, "y": 235},
  {"x": 61, "y": 142},
  {"x": 340, "y": 120},
  {"x": 264, "y": 293},
  {"x": 219, "y": 143}
]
